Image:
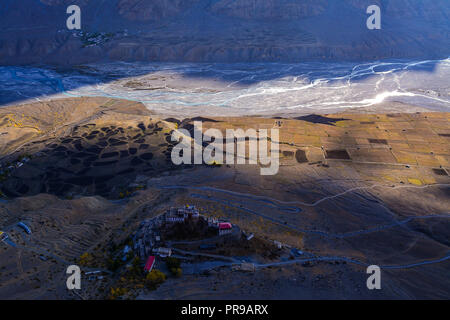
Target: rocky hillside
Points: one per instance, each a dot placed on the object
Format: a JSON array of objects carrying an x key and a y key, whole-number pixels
[{"x": 34, "y": 31}]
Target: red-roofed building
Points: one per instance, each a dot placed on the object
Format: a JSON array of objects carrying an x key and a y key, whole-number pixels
[
  {"x": 150, "y": 263},
  {"x": 225, "y": 228}
]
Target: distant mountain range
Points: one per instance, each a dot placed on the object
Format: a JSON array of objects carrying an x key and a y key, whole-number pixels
[{"x": 34, "y": 31}]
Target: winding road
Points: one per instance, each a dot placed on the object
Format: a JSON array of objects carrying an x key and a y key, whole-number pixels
[
  {"x": 353, "y": 261},
  {"x": 287, "y": 206},
  {"x": 274, "y": 203}
]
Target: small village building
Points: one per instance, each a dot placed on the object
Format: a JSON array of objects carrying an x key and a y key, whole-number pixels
[
  {"x": 175, "y": 219},
  {"x": 24, "y": 227},
  {"x": 149, "y": 264},
  {"x": 163, "y": 252},
  {"x": 174, "y": 215},
  {"x": 225, "y": 228},
  {"x": 179, "y": 215},
  {"x": 246, "y": 266},
  {"x": 213, "y": 222}
]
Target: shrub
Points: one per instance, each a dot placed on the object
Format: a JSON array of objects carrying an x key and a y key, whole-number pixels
[
  {"x": 117, "y": 292},
  {"x": 86, "y": 259},
  {"x": 124, "y": 194},
  {"x": 154, "y": 278}
]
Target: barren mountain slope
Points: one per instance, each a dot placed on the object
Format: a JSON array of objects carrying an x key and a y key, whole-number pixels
[{"x": 221, "y": 31}]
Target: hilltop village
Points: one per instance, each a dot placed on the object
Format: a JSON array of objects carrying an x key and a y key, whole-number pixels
[
  {"x": 177, "y": 223},
  {"x": 182, "y": 241}
]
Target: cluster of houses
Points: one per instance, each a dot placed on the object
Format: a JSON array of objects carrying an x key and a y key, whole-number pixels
[
  {"x": 93, "y": 39},
  {"x": 147, "y": 243},
  {"x": 147, "y": 240},
  {"x": 180, "y": 215}
]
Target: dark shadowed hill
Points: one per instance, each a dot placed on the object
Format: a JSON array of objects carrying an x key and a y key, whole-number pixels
[{"x": 34, "y": 31}]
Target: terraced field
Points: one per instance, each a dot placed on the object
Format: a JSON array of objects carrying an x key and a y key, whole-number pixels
[{"x": 98, "y": 157}]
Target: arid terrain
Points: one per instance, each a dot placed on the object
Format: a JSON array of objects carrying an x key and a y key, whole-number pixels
[
  {"x": 353, "y": 190},
  {"x": 221, "y": 31}
]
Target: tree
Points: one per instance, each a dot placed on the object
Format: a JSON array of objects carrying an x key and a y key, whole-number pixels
[
  {"x": 86, "y": 259},
  {"x": 154, "y": 278},
  {"x": 117, "y": 292}
]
